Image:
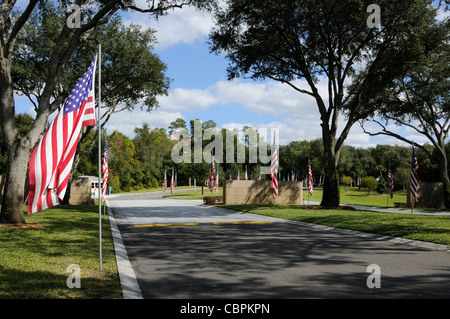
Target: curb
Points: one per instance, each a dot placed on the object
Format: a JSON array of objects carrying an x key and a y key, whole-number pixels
[{"x": 128, "y": 281}]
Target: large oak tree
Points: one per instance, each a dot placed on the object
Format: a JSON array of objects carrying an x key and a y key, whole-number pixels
[
  {"x": 327, "y": 40},
  {"x": 67, "y": 43}
]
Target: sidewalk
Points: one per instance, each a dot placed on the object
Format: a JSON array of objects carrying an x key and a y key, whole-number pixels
[{"x": 386, "y": 209}]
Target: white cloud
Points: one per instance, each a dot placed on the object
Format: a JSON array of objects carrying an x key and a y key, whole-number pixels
[
  {"x": 186, "y": 25},
  {"x": 125, "y": 122},
  {"x": 187, "y": 100}
]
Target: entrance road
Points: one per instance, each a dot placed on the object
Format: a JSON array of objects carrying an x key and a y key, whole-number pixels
[{"x": 201, "y": 259}]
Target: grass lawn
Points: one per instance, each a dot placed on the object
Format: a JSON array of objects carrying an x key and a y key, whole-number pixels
[
  {"x": 34, "y": 261},
  {"x": 359, "y": 197},
  {"x": 434, "y": 229}
]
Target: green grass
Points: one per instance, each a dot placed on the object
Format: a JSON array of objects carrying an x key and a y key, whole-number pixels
[
  {"x": 34, "y": 261},
  {"x": 434, "y": 229},
  {"x": 354, "y": 196}
]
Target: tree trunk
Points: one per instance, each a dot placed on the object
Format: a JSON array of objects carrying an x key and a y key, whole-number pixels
[
  {"x": 18, "y": 149},
  {"x": 13, "y": 196},
  {"x": 443, "y": 171},
  {"x": 331, "y": 153},
  {"x": 330, "y": 195}
]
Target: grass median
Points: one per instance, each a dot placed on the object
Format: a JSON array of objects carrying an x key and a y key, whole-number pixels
[
  {"x": 435, "y": 229},
  {"x": 34, "y": 260}
]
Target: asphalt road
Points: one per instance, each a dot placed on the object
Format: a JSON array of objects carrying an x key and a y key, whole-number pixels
[{"x": 181, "y": 249}]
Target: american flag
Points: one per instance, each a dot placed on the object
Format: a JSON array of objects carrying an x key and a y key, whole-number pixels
[
  {"x": 165, "y": 181},
  {"x": 245, "y": 175},
  {"x": 390, "y": 182},
  {"x": 51, "y": 160},
  {"x": 105, "y": 169},
  {"x": 311, "y": 191},
  {"x": 171, "y": 185},
  {"x": 414, "y": 186},
  {"x": 274, "y": 169},
  {"x": 212, "y": 172},
  {"x": 217, "y": 179}
]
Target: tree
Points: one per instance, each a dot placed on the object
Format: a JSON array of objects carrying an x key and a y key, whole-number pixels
[
  {"x": 179, "y": 123},
  {"x": 121, "y": 162},
  {"x": 419, "y": 99},
  {"x": 346, "y": 181},
  {"x": 369, "y": 183},
  {"x": 289, "y": 40},
  {"x": 68, "y": 43},
  {"x": 152, "y": 146}
]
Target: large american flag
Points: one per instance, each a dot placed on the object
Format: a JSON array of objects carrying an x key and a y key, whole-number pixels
[
  {"x": 414, "y": 186},
  {"x": 274, "y": 169},
  {"x": 311, "y": 190},
  {"x": 51, "y": 160},
  {"x": 105, "y": 169}
]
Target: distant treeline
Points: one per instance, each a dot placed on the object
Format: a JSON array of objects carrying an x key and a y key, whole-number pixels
[{"x": 140, "y": 162}]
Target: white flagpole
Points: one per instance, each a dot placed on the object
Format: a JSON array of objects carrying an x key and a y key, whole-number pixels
[{"x": 99, "y": 155}]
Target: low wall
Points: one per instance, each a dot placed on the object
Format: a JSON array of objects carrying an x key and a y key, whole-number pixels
[
  {"x": 431, "y": 195},
  {"x": 80, "y": 191},
  {"x": 260, "y": 192}
]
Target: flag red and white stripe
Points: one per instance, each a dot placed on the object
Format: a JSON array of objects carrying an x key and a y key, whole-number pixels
[
  {"x": 390, "y": 183},
  {"x": 274, "y": 169},
  {"x": 414, "y": 186},
  {"x": 51, "y": 160},
  {"x": 212, "y": 173},
  {"x": 217, "y": 179},
  {"x": 245, "y": 174},
  {"x": 165, "y": 181},
  {"x": 171, "y": 185},
  {"x": 311, "y": 190},
  {"x": 105, "y": 169}
]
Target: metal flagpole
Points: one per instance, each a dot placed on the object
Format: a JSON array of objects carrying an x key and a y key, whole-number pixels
[{"x": 99, "y": 155}]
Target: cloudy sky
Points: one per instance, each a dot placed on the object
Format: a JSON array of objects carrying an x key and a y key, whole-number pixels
[{"x": 200, "y": 89}]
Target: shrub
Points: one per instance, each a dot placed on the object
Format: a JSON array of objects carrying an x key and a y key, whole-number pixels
[{"x": 369, "y": 183}]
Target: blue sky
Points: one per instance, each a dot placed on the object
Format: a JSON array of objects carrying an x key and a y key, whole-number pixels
[{"x": 200, "y": 89}]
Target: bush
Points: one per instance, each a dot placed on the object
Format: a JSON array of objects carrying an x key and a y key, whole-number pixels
[
  {"x": 382, "y": 186},
  {"x": 346, "y": 181},
  {"x": 369, "y": 183}
]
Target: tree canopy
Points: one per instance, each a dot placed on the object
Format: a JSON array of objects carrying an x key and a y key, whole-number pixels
[{"x": 327, "y": 41}]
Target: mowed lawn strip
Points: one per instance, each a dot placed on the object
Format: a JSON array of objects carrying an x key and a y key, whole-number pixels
[
  {"x": 34, "y": 261},
  {"x": 435, "y": 229}
]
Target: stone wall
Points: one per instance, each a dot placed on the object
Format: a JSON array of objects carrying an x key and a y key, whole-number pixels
[
  {"x": 80, "y": 191},
  {"x": 431, "y": 195},
  {"x": 260, "y": 192}
]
